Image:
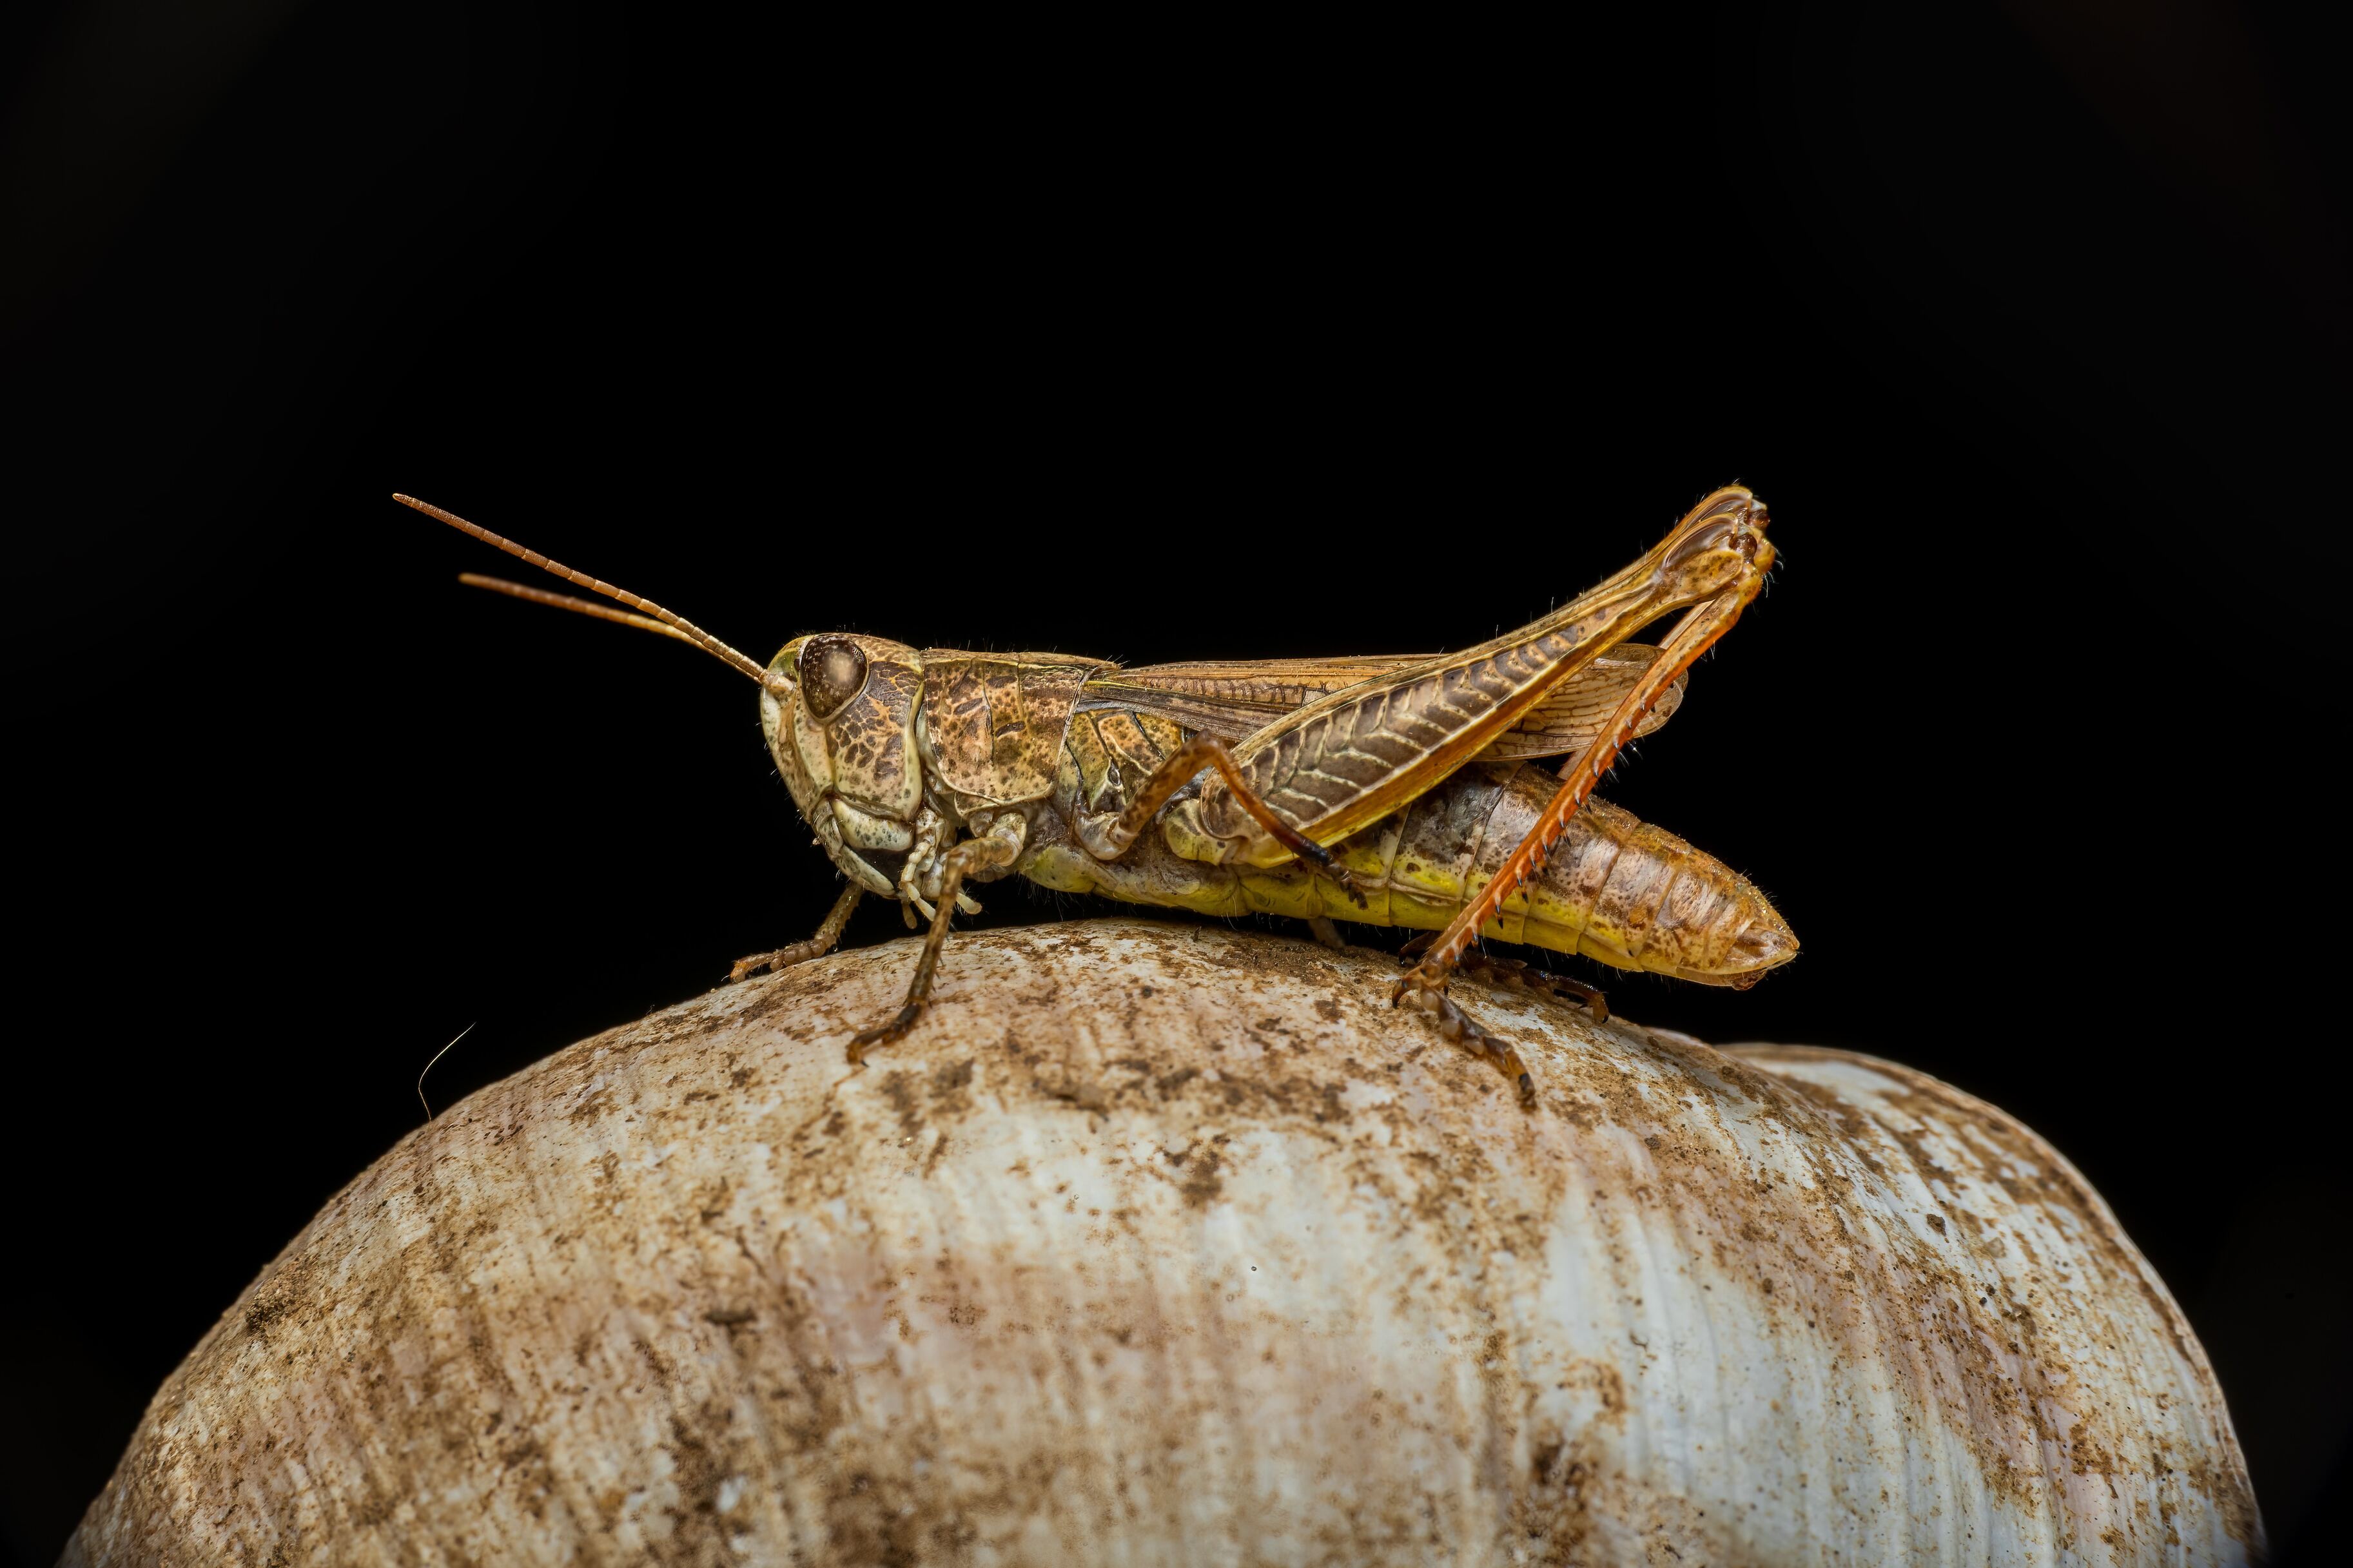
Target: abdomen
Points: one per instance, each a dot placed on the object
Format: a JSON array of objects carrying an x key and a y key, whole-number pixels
[{"x": 1616, "y": 888}]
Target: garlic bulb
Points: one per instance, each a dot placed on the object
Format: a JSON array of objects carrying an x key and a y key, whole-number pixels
[{"x": 1163, "y": 1244}]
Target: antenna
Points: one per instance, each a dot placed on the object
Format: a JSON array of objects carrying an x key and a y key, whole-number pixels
[
  {"x": 677, "y": 625},
  {"x": 578, "y": 607}
]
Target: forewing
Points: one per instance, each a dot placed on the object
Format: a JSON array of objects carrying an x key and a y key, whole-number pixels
[{"x": 1231, "y": 699}]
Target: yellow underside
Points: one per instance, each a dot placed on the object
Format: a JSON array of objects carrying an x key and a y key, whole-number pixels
[{"x": 1428, "y": 903}]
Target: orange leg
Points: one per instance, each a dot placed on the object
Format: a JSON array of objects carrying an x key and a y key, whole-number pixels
[
  {"x": 1692, "y": 635},
  {"x": 1699, "y": 628}
]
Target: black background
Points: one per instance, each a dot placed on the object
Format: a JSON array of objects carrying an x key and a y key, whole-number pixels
[{"x": 1197, "y": 341}]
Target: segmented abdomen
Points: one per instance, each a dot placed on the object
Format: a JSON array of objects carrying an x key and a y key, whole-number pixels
[{"x": 1616, "y": 888}]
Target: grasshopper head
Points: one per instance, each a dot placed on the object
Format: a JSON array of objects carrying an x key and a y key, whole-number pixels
[{"x": 838, "y": 711}]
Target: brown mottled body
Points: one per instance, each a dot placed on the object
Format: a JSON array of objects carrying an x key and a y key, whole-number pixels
[
  {"x": 1616, "y": 890},
  {"x": 1378, "y": 790}
]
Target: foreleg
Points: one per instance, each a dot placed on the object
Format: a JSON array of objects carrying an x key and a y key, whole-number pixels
[
  {"x": 918, "y": 865},
  {"x": 1001, "y": 845}
]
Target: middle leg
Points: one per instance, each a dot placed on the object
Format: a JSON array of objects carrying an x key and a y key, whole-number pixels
[
  {"x": 1177, "y": 772},
  {"x": 817, "y": 946}
]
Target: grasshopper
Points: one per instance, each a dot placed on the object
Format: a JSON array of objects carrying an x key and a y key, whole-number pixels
[{"x": 1396, "y": 790}]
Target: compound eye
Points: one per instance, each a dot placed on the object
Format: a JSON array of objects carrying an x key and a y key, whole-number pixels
[{"x": 833, "y": 668}]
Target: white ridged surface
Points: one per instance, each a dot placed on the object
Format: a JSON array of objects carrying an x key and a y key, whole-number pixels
[{"x": 1163, "y": 1244}]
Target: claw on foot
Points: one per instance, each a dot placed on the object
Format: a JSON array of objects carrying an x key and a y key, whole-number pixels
[
  {"x": 783, "y": 958},
  {"x": 744, "y": 968},
  {"x": 883, "y": 1034},
  {"x": 1422, "y": 980},
  {"x": 1328, "y": 868},
  {"x": 1340, "y": 877}
]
